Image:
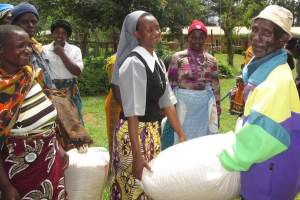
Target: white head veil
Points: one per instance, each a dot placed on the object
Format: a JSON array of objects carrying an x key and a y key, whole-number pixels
[{"x": 127, "y": 42}]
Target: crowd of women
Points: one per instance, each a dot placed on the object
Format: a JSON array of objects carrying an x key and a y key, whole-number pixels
[
  {"x": 143, "y": 91},
  {"x": 32, "y": 161}
]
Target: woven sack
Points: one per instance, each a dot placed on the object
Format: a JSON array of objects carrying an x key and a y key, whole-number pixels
[{"x": 86, "y": 174}]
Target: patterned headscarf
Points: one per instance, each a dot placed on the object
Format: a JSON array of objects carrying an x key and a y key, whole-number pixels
[
  {"x": 4, "y": 8},
  {"x": 127, "y": 41},
  {"x": 13, "y": 89}
]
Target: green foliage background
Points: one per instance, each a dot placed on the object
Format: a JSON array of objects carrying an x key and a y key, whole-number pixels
[{"x": 93, "y": 80}]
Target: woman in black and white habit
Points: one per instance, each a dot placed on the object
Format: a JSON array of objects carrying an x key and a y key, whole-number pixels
[{"x": 144, "y": 91}]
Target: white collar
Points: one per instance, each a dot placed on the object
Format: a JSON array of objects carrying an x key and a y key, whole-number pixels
[{"x": 150, "y": 59}]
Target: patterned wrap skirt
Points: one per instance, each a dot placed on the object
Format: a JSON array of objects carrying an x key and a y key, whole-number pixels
[
  {"x": 125, "y": 186},
  {"x": 34, "y": 166}
]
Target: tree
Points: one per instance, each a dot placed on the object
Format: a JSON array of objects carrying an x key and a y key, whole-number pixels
[
  {"x": 90, "y": 16},
  {"x": 233, "y": 13},
  {"x": 251, "y": 9},
  {"x": 179, "y": 14}
]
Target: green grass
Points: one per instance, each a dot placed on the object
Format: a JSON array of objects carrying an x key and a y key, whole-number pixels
[
  {"x": 227, "y": 121},
  {"x": 94, "y": 119},
  {"x": 237, "y": 59}
]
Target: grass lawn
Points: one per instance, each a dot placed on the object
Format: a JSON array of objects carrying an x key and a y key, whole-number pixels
[
  {"x": 94, "y": 119},
  {"x": 94, "y": 115}
]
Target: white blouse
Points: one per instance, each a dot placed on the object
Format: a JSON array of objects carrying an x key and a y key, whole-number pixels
[
  {"x": 58, "y": 68},
  {"x": 133, "y": 84}
]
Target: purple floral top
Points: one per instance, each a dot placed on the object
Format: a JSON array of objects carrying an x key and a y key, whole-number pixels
[{"x": 190, "y": 69}]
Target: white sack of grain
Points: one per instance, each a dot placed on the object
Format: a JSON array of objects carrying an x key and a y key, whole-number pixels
[
  {"x": 192, "y": 171},
  {"x": 87, "y": 173}
]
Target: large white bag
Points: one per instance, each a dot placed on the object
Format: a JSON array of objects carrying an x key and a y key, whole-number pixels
[
  {"x": 192, "y": 171},
  {"x": 87, "y": 173}
]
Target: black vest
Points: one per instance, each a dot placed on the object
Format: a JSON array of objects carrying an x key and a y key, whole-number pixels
[{"x": 156, "y": 86}]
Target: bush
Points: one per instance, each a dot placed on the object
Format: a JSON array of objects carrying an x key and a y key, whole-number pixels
[
  {"x": 163, "y": 52},
  {"x": 93, "y": 80},
  {"x": 226, "y": 70},
  {"x": 238, "y": 50}
]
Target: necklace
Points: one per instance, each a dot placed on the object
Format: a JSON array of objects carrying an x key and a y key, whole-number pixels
[
  {"x": 198, "y": 61},
  {"x": 198, "y": 58}
]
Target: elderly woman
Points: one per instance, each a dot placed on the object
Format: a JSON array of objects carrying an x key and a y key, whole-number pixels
[
  {"x": 267, "y": 146},
  {"x": 193, "y": 75},
  {"x": 5, "y": 13},
  {"x": 26, "y": 16},
  {"x": 31, "y": 166},
  {"x": 144, "y": 90}
]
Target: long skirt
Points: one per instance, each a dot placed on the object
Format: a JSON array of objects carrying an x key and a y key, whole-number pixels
[
  {"x": 125, "y": 186},
  {"x": 34, "y": 166},
  {"x": 197, "y": 112}
]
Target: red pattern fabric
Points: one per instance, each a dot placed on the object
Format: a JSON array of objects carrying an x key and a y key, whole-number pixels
[
  {"x": 34, "y": 166},
  {"x": 13, "y": 89}
]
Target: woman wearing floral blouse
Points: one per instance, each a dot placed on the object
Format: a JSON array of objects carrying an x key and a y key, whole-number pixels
[{"x": 193, "y": 75}]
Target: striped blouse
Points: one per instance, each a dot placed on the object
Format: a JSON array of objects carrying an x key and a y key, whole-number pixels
[{"x": 36, "y": 114}]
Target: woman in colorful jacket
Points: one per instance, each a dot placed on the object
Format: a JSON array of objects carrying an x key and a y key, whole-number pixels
[{"x": 267, "y": 147}]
